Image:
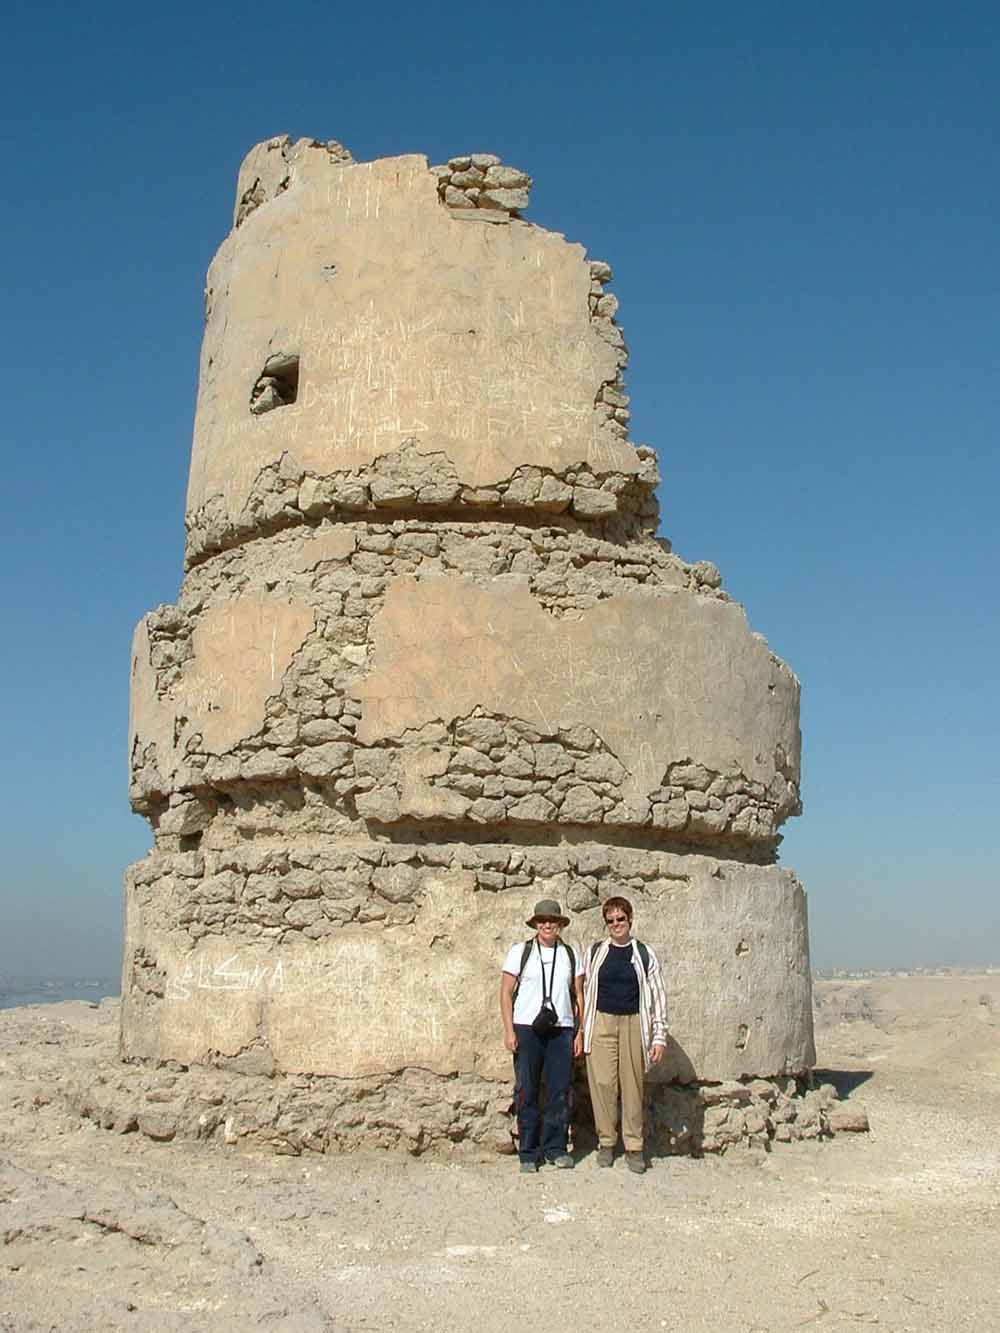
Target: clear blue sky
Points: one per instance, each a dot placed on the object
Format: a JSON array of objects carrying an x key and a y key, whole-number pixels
[{"x": 800, "y": 203}]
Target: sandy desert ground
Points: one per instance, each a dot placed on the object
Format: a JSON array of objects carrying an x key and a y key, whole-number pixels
[{"x": 899, "y": 1228}]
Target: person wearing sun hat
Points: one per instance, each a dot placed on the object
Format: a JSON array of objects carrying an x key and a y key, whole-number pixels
[{"x": 541, "y": 999}]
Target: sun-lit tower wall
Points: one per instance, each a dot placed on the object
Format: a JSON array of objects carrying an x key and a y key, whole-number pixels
[{"x": 429, "y": 663}]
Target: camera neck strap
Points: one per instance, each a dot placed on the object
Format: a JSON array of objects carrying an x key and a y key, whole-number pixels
[{"x": 547, "y": 995}]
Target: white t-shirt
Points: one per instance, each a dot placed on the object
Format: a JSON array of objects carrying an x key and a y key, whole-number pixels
[{"x": 529, "y": 995}]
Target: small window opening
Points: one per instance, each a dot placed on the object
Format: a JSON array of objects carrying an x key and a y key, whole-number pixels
[{"x": 277, "y": 385}]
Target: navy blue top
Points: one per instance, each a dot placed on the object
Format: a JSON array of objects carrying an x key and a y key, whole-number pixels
[{"x": 617, "y": 984}]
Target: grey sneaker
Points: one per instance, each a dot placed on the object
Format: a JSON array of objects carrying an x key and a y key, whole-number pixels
[
  {"x": 563, "y": 1161},
  {"x": 635, "y": 1162},
  {"x": 528, "y": 1168},
  {"x": 605, "y": 1157}
]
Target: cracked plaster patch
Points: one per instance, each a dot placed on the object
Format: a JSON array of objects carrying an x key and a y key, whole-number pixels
[
  {"x": 658, "y": 680},
  {"x": 241, "y": 652}
]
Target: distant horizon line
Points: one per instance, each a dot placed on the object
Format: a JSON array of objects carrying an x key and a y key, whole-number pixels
[{"x": 92, "y": 980}]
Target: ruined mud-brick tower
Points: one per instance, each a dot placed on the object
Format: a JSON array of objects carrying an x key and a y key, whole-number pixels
[{"x": 429, "y": 664}]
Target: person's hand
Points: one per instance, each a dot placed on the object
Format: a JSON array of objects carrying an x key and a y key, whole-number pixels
[
  {"x": 578, "y": 1045},
  {"x": 510, "y": 1041},
  {"x": 656, "y": 1054}
]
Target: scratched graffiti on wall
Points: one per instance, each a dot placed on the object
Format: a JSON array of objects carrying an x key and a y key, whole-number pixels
[
  {"x": 478, "y": 341},
  {"x": 369, "y": 384},
  {"x": 230, "y": 975},
  {"x": 410, "y": 1017},
  {"x": 656, "y": 680}
]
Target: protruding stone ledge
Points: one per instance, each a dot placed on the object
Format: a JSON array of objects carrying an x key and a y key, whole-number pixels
[
  {"x": 355, "y": 790},
  {"x": 285, "y": 495}
]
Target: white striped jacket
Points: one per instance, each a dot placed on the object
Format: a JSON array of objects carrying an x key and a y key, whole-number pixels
[{"x": 652, "y": 996}]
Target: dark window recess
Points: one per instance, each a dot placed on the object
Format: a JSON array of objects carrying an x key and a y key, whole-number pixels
[{"x": 277, "y": 385}]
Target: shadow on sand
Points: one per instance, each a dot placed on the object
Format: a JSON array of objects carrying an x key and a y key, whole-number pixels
[{"x": 844, "y": 1080}]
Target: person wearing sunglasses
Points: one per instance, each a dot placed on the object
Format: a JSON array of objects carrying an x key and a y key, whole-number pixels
[
  {"x": 624, "y": 1031},
  {"x": 541, "y": 993}
]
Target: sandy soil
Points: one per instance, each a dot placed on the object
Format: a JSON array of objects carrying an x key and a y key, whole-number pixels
[{"x": 899, "y": 1228}]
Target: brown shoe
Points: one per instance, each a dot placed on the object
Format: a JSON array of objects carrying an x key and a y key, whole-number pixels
[
  {"x": 635, "y": 1162},
  {"x": 605, "y": 1157}
]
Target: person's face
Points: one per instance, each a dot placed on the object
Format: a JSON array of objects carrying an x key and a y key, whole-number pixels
[
  {"x": 548, "y": 929},
  {"x": 618, "y": 924}
]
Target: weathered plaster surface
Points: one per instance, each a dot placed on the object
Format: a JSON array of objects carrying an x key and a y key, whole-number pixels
[
  {"x": 660, "y": 680},
  {"x": 475, "y": 341},
  {"x": 374, "y": 998}
]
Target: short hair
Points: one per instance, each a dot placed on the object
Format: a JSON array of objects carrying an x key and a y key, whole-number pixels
[{"x": 622, "y": 904}]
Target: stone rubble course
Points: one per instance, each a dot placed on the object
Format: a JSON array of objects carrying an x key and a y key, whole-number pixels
[
  {"x": 245, "y": 1102},
  {"x": 428, "y": 664},
  {"x": 479, "y": 187}
]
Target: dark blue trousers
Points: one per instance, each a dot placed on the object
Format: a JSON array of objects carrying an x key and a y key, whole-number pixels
[{"x": 547, "y": 1058}]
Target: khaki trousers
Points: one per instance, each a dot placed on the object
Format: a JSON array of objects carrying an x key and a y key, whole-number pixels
[{"x": 615, "y": 1066}]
